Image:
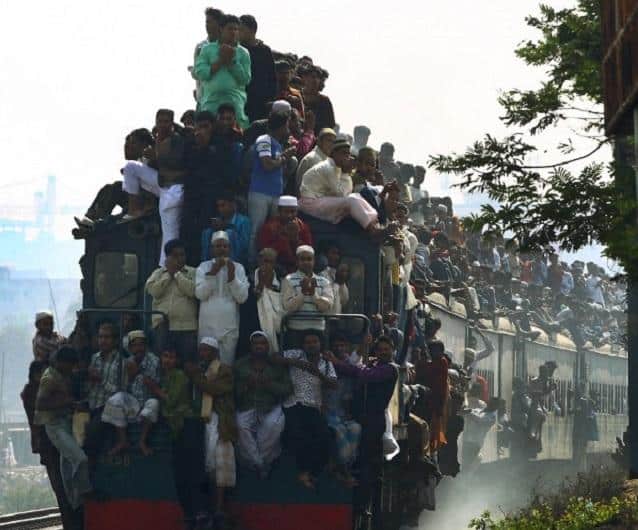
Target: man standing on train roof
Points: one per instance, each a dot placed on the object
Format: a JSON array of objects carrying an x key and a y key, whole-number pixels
[
  {"x": 313, "y": 80},
  {"x": 304, "y": 291},
  {"x": 283, "y": 72},
  {"x": 159, "y": 169},
  {"x": 307, "y": 433},
  {"x": 419, "y": 196},
  {"x": 263, "y": 83},
  {"x": 223, "y": 67},
  {"x": 387, "y": 165},
  {"x": 173, "y": 290},
  {"x": 135, "y": 404},
  {"x": 321, "y": 152},
  {"x": 361, "y": 137},
  {"x": 45, "y": 341},
  {"x": 326, "y": 191},
  {"x": 260, "y": 388},
  {"x": 285, "y": 233},
  {"x": 221, "y": 286},
  {"x": 267, "y": 175},
  {"x": 213, "y": 19},
  {"x": 235, "y": 224}
]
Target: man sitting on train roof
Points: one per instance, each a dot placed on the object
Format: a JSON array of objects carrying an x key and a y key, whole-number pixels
[
  {"x": 307, "y": 434},
  {"x": 326, "y": 191},
  {"x": 213, "y": 385},
  {"x": 321, "y": 152},
  {"x": 173, "y": 290},
  {"x": 223, "y": 67},
  {"x": 307, "y": 292},
  {"x": 260, "y": 388},
  {"x": 267, "y": 174},
  {"x": 263, "y": 83},
  {"x": 160, "y": 171},
  {"x": 221, "y": 286},
  {"x": 235, "y": 224},
  {"x": 285, "y": 232},
  {"x": 135, "y": 404}
]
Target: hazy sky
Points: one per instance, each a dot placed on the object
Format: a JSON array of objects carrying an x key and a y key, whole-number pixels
[{"x": 77, "y": 76}]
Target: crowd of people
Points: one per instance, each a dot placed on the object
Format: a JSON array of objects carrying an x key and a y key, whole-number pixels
[{"x": 229, "y": 183}]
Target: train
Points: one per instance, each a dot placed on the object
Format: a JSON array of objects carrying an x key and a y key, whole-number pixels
[{"x": 136, "y": 492}]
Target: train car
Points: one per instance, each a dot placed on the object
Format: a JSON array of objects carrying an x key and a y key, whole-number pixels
[{"x": 603, "y": 373}]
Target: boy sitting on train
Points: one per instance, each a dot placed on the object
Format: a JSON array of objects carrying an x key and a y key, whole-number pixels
[
  {"x": 307, "y": 434},
  {"x": 260, "y": 388},
  {"x": 213, "y": 386},
  {"x": 136, "y": 404}
]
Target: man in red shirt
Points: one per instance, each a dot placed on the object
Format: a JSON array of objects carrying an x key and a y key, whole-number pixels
[{"x": 284, "y": 233}]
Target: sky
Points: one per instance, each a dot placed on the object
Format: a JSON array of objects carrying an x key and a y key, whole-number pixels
[{"x": 77, "y": 76}]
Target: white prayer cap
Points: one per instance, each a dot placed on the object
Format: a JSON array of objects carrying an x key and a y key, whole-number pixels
[
  {"x": 42, "y": 315},
  {"x": 442, "y": 208},
  {"x": 281, "y": 105},
  {"x": 136, "y": 334},
  {"x": 257, "y": 334},
  {"x": 210, "y": 341},
  {"x": 288, "y": 201},
  {"x": 305, "y": 249},
  {"x": 220, "y": 234}
]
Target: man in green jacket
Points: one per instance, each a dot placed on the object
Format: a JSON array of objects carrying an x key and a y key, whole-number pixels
[
  {"x": 260, "y": 388},
  {"x": 223, "y": 68}
]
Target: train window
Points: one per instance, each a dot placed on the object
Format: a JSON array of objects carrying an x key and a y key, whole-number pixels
[
  {"x": 356, "y": 285},
  {"x": 116, "y": 279}
]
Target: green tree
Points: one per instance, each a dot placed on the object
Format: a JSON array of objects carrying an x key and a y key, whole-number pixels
[{"x": 551, "y": 204}]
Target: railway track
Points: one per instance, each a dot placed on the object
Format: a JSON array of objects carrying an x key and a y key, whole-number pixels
[{"x": 45, "y": 518}]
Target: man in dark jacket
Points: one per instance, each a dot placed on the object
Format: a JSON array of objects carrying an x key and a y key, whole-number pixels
[{"x": 263, "y": 85}]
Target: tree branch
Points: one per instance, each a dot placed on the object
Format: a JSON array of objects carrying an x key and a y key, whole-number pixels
[{"x": 571, "y": 160}]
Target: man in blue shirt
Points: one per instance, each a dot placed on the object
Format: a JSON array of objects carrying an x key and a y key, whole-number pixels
[
  {"x": 266, "y": 177},
  {"x": 236, "y": 225}
]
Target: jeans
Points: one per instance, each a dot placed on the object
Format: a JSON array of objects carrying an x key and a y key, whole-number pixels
[
  {"x": 260, "y": 207},
  {"x": 74, "y": 465}
]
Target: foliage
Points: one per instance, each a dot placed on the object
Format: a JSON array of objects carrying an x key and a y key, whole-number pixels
[
  {"x": 22, "y": 493},
  {"x": 550, "y": 204},
  {"x": 581, "y": 514}
]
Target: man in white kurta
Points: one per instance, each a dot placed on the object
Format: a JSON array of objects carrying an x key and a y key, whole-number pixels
[
  {"x": 326, "y": 191},
  {"x": 221, "y": 286}
]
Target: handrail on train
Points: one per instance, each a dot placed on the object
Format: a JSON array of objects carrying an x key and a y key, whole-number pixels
[{"x": 121, "y": 311}]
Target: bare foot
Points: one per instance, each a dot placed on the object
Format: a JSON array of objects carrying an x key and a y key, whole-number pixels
[
  {"x": 306, "y": 480},
  {"x": 146, "y": 450},
  {"x": 118, "y": 448}
]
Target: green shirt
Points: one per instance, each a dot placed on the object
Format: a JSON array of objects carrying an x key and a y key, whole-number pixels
[
  {"x": 54, "y": 396},
  {"x": 178, "y": 403},
  {"x": 263, "y": 398},
  {"x": 228, "y": 85}
]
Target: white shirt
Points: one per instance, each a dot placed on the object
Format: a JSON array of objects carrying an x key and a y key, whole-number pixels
[
  {"x": 341, "y": 292},
  {"x": 306, "y": 387},
  {"x": 325, "y": 180},
  {"x": 594, "y": 290},
  {"x": 310, "y": 160},
  {"x": 567, "y": 283}
]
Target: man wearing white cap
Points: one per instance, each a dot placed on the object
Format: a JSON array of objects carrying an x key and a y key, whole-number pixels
[
  {"x": 261, "y": 386},
  {"x": 45, "y": 341},
  {"x": 320, "y": 153},
  {"x": 284, "y": 233},
  {"x": 221, "y": 286},
  {"x": 135, "y": 404},
  {"x": 305, "y": 291}
]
